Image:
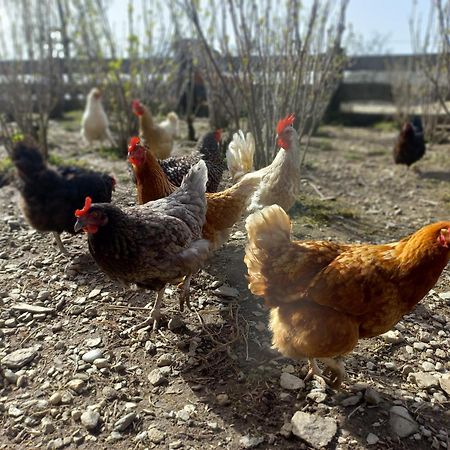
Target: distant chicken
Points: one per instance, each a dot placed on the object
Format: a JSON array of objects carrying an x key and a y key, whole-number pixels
[
  {"x": 94, "y": 123},
  {"x": 325, "y": 296},
  {"x": 49, "y": 196},
  {"x": 208, "y": 149},
  {"x": 158, "y": 138},
  {"x": 153, "y": 244},
  {"x": 225, "y": 208},
  {"x": 410, "y": 145},
  {"x": 280, "y": 180},
  {"x": 171, "y": 124}
]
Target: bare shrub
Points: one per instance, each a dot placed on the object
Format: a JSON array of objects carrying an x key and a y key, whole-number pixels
[{"x": 272, "y": 59}]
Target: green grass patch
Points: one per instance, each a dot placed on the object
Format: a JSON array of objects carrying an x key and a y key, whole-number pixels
[
  {"x": 112, "y": 153},
  {"x": 59, "y": 161},
  {"x": 71, "y": 120},
  {"x": 314, "y": 211},
  {"x": 385, "y": 126},
  {"x": 6, "y": 164}
]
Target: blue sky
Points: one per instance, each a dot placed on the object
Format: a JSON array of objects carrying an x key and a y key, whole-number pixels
[{"x": 368, "y": 19}]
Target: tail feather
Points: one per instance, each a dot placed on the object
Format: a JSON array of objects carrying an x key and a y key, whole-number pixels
[
  {"x": 240, "y": 154},
  {"x": 268, "y": 230}
]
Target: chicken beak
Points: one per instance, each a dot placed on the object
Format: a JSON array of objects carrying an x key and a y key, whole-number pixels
[{"x": 79, "y": 224}]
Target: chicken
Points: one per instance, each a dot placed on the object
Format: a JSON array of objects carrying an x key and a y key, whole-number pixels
[
  {"x": 170, "y": 124},
  {"x": 240, "y": 155},
  {"x": 410, "y": 145},
  {"x": 325, "y": 296},
  {"x": 94, "y": 123},
  {"x": 49, "y": 196},
  {"x": 159, "y": 140},
  {"x": 208, "y": 149},
  {"x": 153, "y": 244},
  {"x": 280, "y": 180},
  {"x": 224, "y": 208}
]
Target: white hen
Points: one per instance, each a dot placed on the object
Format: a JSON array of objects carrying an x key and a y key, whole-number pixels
[
  {"x": 170, "y": 124},
  {"x": 94, "y": 123}
]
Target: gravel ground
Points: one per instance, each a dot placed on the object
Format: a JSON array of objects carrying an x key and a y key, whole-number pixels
[{"x": 76, "y": 374}]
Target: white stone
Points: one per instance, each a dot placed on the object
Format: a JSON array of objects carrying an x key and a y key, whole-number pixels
[
  {"x": 317, "y": 431},
  {"x": 401, "y": 422},
  {"x": 291, "y": 382}
]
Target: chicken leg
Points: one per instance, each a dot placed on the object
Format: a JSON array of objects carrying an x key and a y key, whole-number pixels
[
  {"x": 334, "y": 373},
  {"x": 155, "y": 314},
  {"x": 59, "y": 243},
  {"x": 185, "y": 292}
]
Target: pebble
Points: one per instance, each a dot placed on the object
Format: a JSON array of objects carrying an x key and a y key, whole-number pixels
[
  {"x": 110, "y": 393},
  {"x": 372, "y": 439},
  {"x": 124, "y": 422},
  {"x": 101, "y": 363},
  {"x": 423, "y": 380},
  {"x": 94, "y": 293},
  {"x": 156, "y": 378},
  {"x": 251, "y": 441},
  {"x": 445, "y": 384},
  {"x": 55, "y": 399},
  {"x": 93, "y": 342},
  {"x": 317, "y": 396},
  {"x": 77, "y": 385},
  {"x": 226, "y": 291},
  {"x": 427, "y": 366},
  {"x": 155, "y": 436},
  {"x": 372, "y": 397},
  {"x": 47, "y": 426},
  {"x": 10, "y": 376},
  {"x": 175, "y": 444},
  {"x": 175, "y": 323},
  {"x": 291, "y": 382},
  {"x": 352, "y": 400},
  {"x": 392, "y": 337},
  {"x": 401, "y": 422},
  {"x": 317, "y": 431},
  {"x": 421, "y": 346},
  {"x": 90, "y": 419},
  {"x": 19, "y": 358},
  {"x": 164, "y": 360},
  {"x": 92, "y": 355},
  {"x": 222, "y": 399}
]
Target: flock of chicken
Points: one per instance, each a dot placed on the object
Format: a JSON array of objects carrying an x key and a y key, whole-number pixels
[{"x": 323, "y": 296}]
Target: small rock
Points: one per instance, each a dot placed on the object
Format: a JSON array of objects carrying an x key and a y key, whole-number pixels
[
  {"x": 13, "y": 411},
  {"x": 421, "y": 346},
  {"x": 124, "y": 422},
  {"x": 226, "y": 291},
  {"x": 315, "y": 430},
  {"x": 156, "y": 436},
  {"x": 10, "y": 376},
  {"x": 392, "y": 337},
  {"x": 401, "y": 422},
  {"x": 110, "y": 393},
  {"x": 92, "y": 355},
  {"x": 33, "y": 309},
  {"x": 251, "y": 441},
  {"x": 101, "y": 363},
  {"x": 286, "y": 430},
  {"x": 55, "y": 399},
  {"x": 90, "y": 419},
  {"x": 372, "y": 397},
  {"x": 352, "y": 400},
  {"x": 94, "y": 342},
  {"x": 76, "y": 415},
  {"x": 47, "y": 426},
  {"x": 175, "y": 323},
  {"x": 164, "y": 360},
  {"x": 94, "y": 293},
  {"x": 427, "y": 366},
  {"x": 291, "y": 382},
  {"x": 222, "y": 399},
  {"x": 156, "y": 378},
  {"x": 175, "y": 444},
  {"x": 19, "y": 358},
  {"x": 423, "y": 380},
  {"x": 317, "y": 396},
  {"x": 445, "y": 384},
  {"x": 372, "y": 439},
  {"x": 77, "y": 385}
]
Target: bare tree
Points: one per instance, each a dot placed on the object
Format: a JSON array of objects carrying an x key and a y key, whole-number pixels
[
  {"x": 32, "y": 82},
  {"x": 271, "y": 60}
]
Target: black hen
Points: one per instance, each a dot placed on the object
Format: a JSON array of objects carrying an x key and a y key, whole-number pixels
[
  {"x": 410, "y": 145},
  {"x": 51, "y": 196},
  {"x": 208, "y": 149}
]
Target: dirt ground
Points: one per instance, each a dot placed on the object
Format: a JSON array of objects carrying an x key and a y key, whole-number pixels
[{"x": 208, "y": 379}]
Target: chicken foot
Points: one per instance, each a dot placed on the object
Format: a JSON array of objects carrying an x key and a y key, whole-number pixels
[
  {"x": 155, "y": 313},
  {"x": 185, "y": 292},
  {"x": 333, "y": 374},
  {"x": 59, "y": 243}
]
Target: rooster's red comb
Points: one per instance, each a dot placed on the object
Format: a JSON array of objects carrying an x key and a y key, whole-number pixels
[
  {"x": 136, "y": 104},
  {"x": 285, "y": 122},
  {"x": 218, "y": 134},
  {"x": 87, "y": 205},
  {"x": 134, "y": 142}
]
